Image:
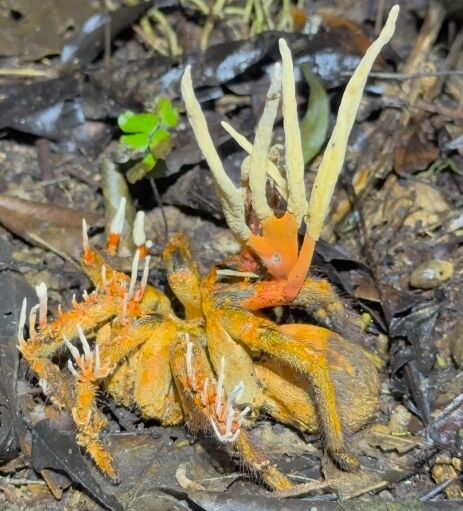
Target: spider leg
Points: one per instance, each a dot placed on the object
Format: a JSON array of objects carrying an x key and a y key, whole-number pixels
[
  {"x": 240, "y": 365},
  {"x": 207, "y": 406},
  {"x": 48, "y": 337},
  {"x": 153, "y": 379},
  {"x": 262, "y": 334},
  {"x": 89, "y": 421},
  {"x": 352, "y": 372},
  {"x": 317, "y": 297}
]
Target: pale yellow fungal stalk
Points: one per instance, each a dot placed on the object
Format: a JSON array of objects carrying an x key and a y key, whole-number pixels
[
  {"x": 293, "y": 188},
  {"x": 262, "y": 141},
  {"x": 273, "y": 172},
  {"x": 334, "y": 155},
  {"x": 294, "y": 158},
  {"x": 232, "y": 199}
]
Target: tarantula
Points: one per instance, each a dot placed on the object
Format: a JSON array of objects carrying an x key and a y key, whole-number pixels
[{"x": 222, "y": 362}]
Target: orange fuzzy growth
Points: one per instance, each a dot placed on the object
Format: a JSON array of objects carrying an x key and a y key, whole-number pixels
[
  {"x": 89, "y": 257},
  {"x": 85, "y": 402},
  {"x": 143, "y": 251},
  {"x": 113, "y": 243},
  {"x": 278, "y": 245},
  {"x": 95, "y": 311}
]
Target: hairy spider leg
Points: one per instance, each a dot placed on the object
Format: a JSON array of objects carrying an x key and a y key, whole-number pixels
[
  {"x": 258, "y": 333},
  {"x": 183, "y": 276},
  {"x": 289, "y": 397},
  {"x": 88, "y": 420},
  {"x": 207, "y": 407}
]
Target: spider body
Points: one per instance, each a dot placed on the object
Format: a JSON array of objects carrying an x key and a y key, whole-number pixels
[{"x": 220, "y": 362}]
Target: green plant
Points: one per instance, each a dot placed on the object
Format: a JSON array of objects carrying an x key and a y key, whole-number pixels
[{"x": 148, "y": 136}]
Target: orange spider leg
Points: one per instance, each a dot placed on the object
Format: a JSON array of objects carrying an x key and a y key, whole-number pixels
[
  {"x": 240, "y": 365},
  {"x": 45, "y": 341},
  {"x": 352, "y": 372},
  {"x": 153, "y": 379},
  {"x": 89, "y": 421},
  {"x": 207, "y": 407},
  {"x": 183, "y": 276},
  {"x": 262, "y": 334}
]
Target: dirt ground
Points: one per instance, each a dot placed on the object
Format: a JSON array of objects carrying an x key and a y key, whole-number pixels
[{"x": 392, "y": 245}]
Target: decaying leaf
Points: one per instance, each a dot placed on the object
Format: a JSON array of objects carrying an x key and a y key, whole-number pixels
[
  {"x": 58, "y": 450},
  {"x": 52, "y": 227}
]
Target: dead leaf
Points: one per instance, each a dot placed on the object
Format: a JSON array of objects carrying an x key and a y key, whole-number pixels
[
  {"x": 52, "y": 227},
  {"x": 416, "y": 152},
  {"x": 380, "y": 435},
  {"x": 58, "y": 450}
]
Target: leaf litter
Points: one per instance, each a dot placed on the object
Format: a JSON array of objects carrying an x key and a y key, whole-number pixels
[{"x": 399, "y": 215}]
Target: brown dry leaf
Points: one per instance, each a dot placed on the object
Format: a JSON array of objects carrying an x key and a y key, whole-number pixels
[
  {"x": 415, "y": 152},
  {"x": 23, "y": 22},
  {"x": 52, "y": 227},
  {"x": 360, "y": 41},
  {"x": 407, "y": 203},
  {"x": 380, "y": 435}
]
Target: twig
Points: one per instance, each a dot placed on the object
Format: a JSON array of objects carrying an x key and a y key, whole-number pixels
[
  {"x": 27, "y": 72},
  {"x": 411, "y": 76},
  {"x": 21, "y": 482},
  {"x": 438, "y": 489}
]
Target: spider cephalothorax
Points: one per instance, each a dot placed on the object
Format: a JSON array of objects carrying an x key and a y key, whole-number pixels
[{"x": 220, "y": 362}]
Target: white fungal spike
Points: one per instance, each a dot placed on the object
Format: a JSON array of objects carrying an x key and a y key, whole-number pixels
[
  {"x": 133, "y": 276},
  {"x": 85, "y": 345},
  {"x": 32, "y": 318},
  {"x": 85, "y": 242},
  {"x": 243, "y": 414},
  {"x": 74, "y": 351},
  {"x": 118, "y": 221},
  {"x": 74, "y": 301},
  {"x": 22, "y": 323},
  {"x": 219, "y": 388},
  {"x": 205, "y": 392},
  {"x": 297, "y": 203},
  {"x": 42, "y": 295},
  {"x": 139, "y": 236},
  {"x": 190, "y": 371},
  {"x": 218, "y": 434},
  {"x": 272, "y": 169},
  {"x": 333, "y": 157},
  {"x": 97, "y": 359},
  {"x": 60, "y": 310},
  {"x": 85, "y": 295},
  {"x": 72, "y": 368},
  {"x": 103, "y": 276},
  {"x": 236, "y": 393},
  {"x": 229, "y": 421},
  {"x": 231, "y": 198},
  {"x": 144, "y": 278}
]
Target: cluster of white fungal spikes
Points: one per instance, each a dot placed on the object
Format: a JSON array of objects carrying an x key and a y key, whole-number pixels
[
  {"x": 115, "y": 231},
  {"x": 233, "y": 419},
  {"x": 89, "y": 364},
  {"x": 41, "y": 308},
  {"x": 223, "y": 410},
  {"x": 314, "y": 212}
]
